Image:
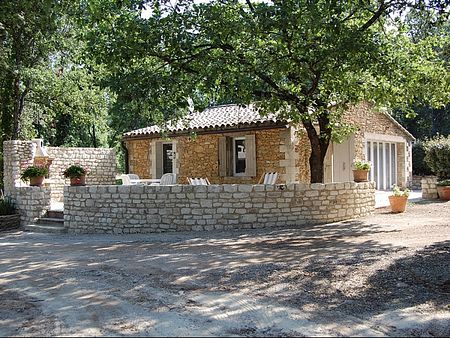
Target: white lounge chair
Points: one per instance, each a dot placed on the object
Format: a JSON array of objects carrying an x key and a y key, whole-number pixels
[
  {"x": 269, "y": 178},
  {"x": 198, "y": 181},
  {"x": 168, "y": 179},
  {"x": 125, "y": 179}
]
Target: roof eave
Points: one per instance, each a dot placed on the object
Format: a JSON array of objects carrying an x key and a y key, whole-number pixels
[{"x": 216, "y": 130}]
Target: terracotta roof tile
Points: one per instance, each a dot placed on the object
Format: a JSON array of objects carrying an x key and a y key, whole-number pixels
[{"x": 214, "y": 117}]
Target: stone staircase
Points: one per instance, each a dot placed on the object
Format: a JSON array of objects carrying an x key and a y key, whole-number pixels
[{"x": 53, "y": 222}]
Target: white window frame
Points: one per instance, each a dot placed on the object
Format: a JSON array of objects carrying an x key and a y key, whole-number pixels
[{"x": 240, "y": 138}]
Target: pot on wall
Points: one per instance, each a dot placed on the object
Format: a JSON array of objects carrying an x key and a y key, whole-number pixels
[
  {"x": 78, "y": 181},
  {"x": 398, "y": 203},
  {"x": 444, "y": 192},
  {"x": 360, "y": 175},
  {"x": 36, "y": 181}
]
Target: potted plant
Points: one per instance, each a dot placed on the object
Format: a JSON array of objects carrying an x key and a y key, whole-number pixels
[
  {"x": 9, "y": 218},
  {"x": 34, "y": 174},
  {"x": 77, "y": 174},
  {"x": 398, "y": 199},
  {"x": 361, "y": 170},
  {"x": 443, "y": 189}
]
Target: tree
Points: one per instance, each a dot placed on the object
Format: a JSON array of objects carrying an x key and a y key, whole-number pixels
[
  {"x": 307, "y": 60},
  {"x": 25, "y": 29}
]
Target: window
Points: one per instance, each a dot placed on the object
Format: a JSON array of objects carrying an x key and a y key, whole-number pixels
[
  {"x": 163, "y": 162},
  {"x": 237, "y": 156},
  {"x": 167, "y": 158}
]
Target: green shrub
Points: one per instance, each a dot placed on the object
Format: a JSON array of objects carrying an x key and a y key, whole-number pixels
[
  {"x": 420, "y": 167},
  {"x": 74, "y": 171},
  {"x": 33, "y": 171},
  {"x": 7, "y": 206},
  {"x": 437, "y": 156}
]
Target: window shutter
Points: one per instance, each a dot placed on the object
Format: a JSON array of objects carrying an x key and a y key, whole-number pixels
[
  {"x": 159, "y": 159},
  {"x": 250, "y": 155},
  {"x": 222, "y": 156},
  {"x": 225, "y": 156}
]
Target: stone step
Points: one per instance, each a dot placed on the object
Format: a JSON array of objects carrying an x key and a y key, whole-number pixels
[
  {"x": 45, "y": 228},
  {"x": 55, "y": 214},
  {"x": 51, "y": 221}
]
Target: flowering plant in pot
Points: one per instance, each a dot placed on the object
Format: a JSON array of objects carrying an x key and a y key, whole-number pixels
[
  {"x": 34, "y": 174},
  {"x": 76, "y": 173},
  {"x": 361, "y": 170},
  {"x": 398, "y": 199}
]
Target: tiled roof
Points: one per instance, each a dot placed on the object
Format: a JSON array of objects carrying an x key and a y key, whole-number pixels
[{"x": 225, "y": 116}]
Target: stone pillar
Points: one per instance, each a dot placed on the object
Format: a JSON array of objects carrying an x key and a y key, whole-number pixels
[
  {"x": 429, "y": 189},
  {"x": 17, "y": 155}
]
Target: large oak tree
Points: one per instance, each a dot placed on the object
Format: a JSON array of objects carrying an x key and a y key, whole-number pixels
[{"x": 307, "y": 60}]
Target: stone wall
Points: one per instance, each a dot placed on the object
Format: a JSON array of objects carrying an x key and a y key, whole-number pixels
[
  {"x": 100, "y": 163},
  {"x": 429, "y": 189},
  {"x": 146, "y": 209},
  {"x": 416, "y": 183},
  {"x": 31, "y": 203}
]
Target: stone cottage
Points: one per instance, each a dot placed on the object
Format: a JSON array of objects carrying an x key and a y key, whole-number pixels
[{"x": 234, "y": 144}]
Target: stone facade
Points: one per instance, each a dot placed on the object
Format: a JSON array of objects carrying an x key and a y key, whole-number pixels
[
  {"x": 198, "y": 156},
  {"x": 429, "y": 188},
  {"x": 371, "y": 123},
  {"x": 147, "y": 209},
  {"x": 285, "y": 150}
]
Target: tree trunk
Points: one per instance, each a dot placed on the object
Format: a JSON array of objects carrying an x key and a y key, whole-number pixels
[
  {"x": 19, "y": 103},
  {"x": 319, "y": 145}
]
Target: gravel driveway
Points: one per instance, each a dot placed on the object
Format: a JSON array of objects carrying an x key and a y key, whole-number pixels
[{"x": 386, "y": 274}]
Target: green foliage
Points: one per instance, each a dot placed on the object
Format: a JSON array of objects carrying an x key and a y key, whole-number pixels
[
  {"x": 74, "y": 171},
  {"x": 443, "y": 183},
  {"x": 420, "y": 167},
  {"x": 396, "y": 191},
  {"x": 361, "y": 165},
  {"x": 437, "y": 156},
  {"x": 307, "y": 60},
  {"x": 33, "y": 171},
  {"x": 7, "y": 206}
]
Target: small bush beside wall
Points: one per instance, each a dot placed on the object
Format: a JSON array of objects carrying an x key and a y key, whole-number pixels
[
  {"x": 420, "y": 167},
  {"x": 437, "y": 156}
]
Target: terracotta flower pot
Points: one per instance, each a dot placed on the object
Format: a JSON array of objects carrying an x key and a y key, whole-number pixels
[
  {"x": 36, "y": 181},
  {"x": 398, "y": 203},
  {"x": 444, "y": 192},
  {"x": 78, "y": 181},
  {"x": 360, "y": 175}
]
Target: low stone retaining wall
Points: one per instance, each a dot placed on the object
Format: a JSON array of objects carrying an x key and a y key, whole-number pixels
[
  {"x": 429, "y": 189},
  {"x": 8, "y": 222},
  {"x": 146, "y": 209},
  {"x": 31, "y": 202}
]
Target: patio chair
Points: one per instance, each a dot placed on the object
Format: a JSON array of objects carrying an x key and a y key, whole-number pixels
[
  {"x": 125, "y": 179},
  {"x": 168, "y": 179},
  {"x": 269, "y": 178},
  {"x": 198, "y": 181}
]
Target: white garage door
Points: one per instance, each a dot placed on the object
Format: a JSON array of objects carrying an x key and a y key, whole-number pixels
[{"x": 383, "y": 156}]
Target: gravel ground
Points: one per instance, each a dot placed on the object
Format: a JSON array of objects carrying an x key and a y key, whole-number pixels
[{"x": 382, "y": 275}]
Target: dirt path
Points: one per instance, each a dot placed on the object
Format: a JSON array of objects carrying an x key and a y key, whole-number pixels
[{"x": 382, "y": 275}]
